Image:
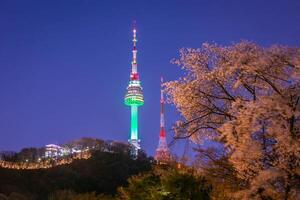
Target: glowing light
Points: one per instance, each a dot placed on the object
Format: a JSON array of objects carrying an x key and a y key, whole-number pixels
[
  {"x": 134, "y": 98},
  {"x": 134, "y": 123}
]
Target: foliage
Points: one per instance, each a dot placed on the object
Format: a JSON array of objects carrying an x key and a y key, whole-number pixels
[
  {"x": 27, "y": 154},
  {"x": 17, "y": 196},
  {"x": 247, "y": 98},
  {"x": 70, "y": 195},
  {"x": 3, "y": 197},
  {"x": 144, "y": 186},
  {"x": 166, "y": 184},
  {"x": 86, "y": 142},
  {"x": 215, "y": 166}
]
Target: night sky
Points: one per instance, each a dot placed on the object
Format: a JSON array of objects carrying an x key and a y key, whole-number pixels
[{"x": 65, "y": 65}]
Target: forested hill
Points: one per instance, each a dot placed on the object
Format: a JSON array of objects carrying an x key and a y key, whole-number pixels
[{"x": 103, "y": 173}]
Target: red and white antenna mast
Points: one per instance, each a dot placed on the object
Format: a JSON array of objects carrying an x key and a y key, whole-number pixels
[{"x": 162, "y": 152}]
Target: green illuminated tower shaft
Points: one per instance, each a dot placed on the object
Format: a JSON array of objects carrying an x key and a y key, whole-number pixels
[
  {"x": 134, "y": 123},
  {"x": 134, "y": 98}
]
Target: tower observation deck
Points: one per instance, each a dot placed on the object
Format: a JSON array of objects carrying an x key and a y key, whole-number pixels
[{"x": 134, "y": 98}]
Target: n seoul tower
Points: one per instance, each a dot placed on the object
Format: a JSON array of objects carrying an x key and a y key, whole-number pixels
[
  {"x": 162, "y": 152},
  {"x": 134, "y": 98}
]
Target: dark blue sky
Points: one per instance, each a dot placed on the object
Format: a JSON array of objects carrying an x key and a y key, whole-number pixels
[{"x": 64, "y": 65}]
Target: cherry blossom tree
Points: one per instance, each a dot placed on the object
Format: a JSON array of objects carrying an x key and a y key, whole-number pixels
[{"x": 246, "y": 97}]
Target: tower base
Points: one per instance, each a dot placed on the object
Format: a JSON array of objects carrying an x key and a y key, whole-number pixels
[
  {"x": 162, "y": 156},
  {"x": 134, "y": 148}
]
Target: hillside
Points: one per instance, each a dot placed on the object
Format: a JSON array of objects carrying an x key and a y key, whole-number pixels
[{"x": 103, "y": 173}]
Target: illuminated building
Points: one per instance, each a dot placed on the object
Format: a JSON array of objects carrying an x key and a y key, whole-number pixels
[
  {"x": 162, "y": 152},
  {"x": 53, "y": 151},
  {"x": 134, "y": 98}
]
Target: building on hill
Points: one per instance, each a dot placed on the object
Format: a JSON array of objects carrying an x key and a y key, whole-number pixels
[{"x": 53, "y": 151}]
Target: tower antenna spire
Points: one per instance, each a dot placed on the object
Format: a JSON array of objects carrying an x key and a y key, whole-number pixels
[{"x": 134, "y": 72}]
